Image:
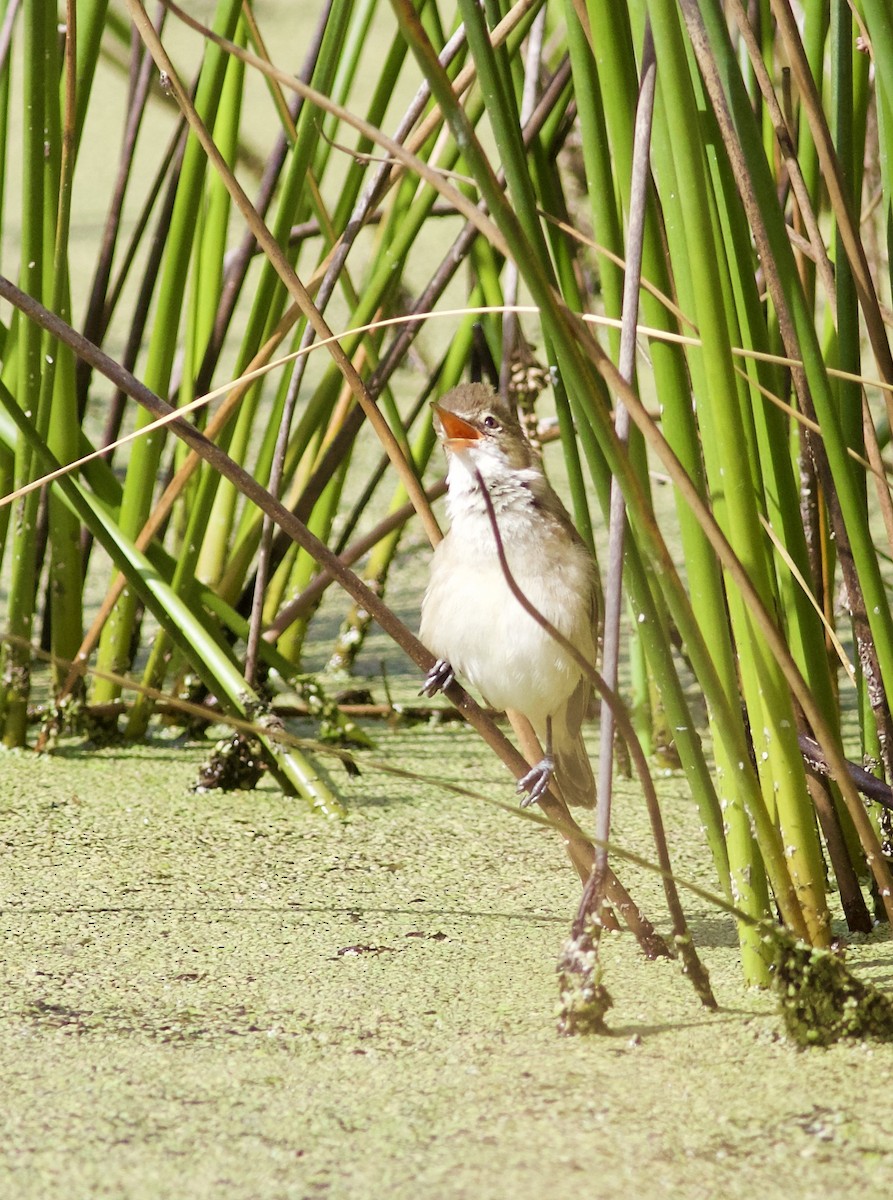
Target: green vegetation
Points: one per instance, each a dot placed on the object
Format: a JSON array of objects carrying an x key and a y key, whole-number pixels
[{"x": 307, "y": 236}]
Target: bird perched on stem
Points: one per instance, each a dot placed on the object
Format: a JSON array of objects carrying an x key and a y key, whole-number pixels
[{"x": 471, "y": 619}]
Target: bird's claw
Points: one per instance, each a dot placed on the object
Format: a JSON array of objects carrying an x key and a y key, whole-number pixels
[
  {"x": 536, "y": 782},
  {"x": 439, "y": 677}
]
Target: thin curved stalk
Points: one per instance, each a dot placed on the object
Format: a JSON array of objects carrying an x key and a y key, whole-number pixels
[{"x": 617, "y": 526}]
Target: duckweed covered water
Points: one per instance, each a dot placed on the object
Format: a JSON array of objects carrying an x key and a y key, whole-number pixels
[{"x": 221, "y": 995}]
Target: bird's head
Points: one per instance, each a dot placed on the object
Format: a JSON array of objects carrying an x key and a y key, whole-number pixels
[{"x": 473, "y": 420}]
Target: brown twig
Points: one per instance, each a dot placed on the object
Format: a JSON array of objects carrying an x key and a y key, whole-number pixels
[
  {"x": 579, "y": 847},
  {"x": 693, "y": 965}
]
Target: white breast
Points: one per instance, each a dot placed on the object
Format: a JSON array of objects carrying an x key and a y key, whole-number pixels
[{"x": 471, "y": 619}]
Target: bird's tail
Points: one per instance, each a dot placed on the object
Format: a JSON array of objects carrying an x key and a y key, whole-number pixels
[{"x": 573, "y": 771}]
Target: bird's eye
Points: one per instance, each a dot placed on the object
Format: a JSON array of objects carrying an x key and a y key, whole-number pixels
[{"x": 490, "y": 422}]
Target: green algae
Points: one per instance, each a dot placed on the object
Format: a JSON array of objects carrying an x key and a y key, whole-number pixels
[
  {"x": 584, "y": 1001},
  {"x": 223, "y": 995},
  {"x": 820, "y": 999}
]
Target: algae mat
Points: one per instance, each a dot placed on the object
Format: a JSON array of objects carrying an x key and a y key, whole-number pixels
[{"x": 224, "y": 996}]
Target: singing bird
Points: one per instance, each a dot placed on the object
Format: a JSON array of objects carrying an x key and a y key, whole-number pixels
[{"x": 471, "y": 620}]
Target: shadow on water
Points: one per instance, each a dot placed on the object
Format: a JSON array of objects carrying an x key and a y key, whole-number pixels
[{"x": 351, "y": 912}]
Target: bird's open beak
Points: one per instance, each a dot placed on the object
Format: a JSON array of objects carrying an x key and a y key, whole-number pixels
[{"x": 457, "y": 433}]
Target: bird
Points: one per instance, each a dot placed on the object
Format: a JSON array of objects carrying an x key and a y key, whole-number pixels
[{"x": 471, "y": 620}]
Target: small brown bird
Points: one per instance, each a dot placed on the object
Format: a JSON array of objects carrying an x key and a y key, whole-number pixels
[{"x": 470, "y": 618}]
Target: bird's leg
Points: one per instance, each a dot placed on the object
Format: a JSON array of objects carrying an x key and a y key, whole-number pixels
[
  {"x": 538, "y": 778},
  {"x": 439, "y": 677}
]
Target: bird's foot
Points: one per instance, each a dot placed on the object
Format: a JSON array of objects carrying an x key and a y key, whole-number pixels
[
  {"x": 439, "y": 677},
  {"x": 536, "y": 782}
]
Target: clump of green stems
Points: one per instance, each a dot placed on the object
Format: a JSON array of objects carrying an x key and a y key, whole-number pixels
[{"x": 440, "y": 184}]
